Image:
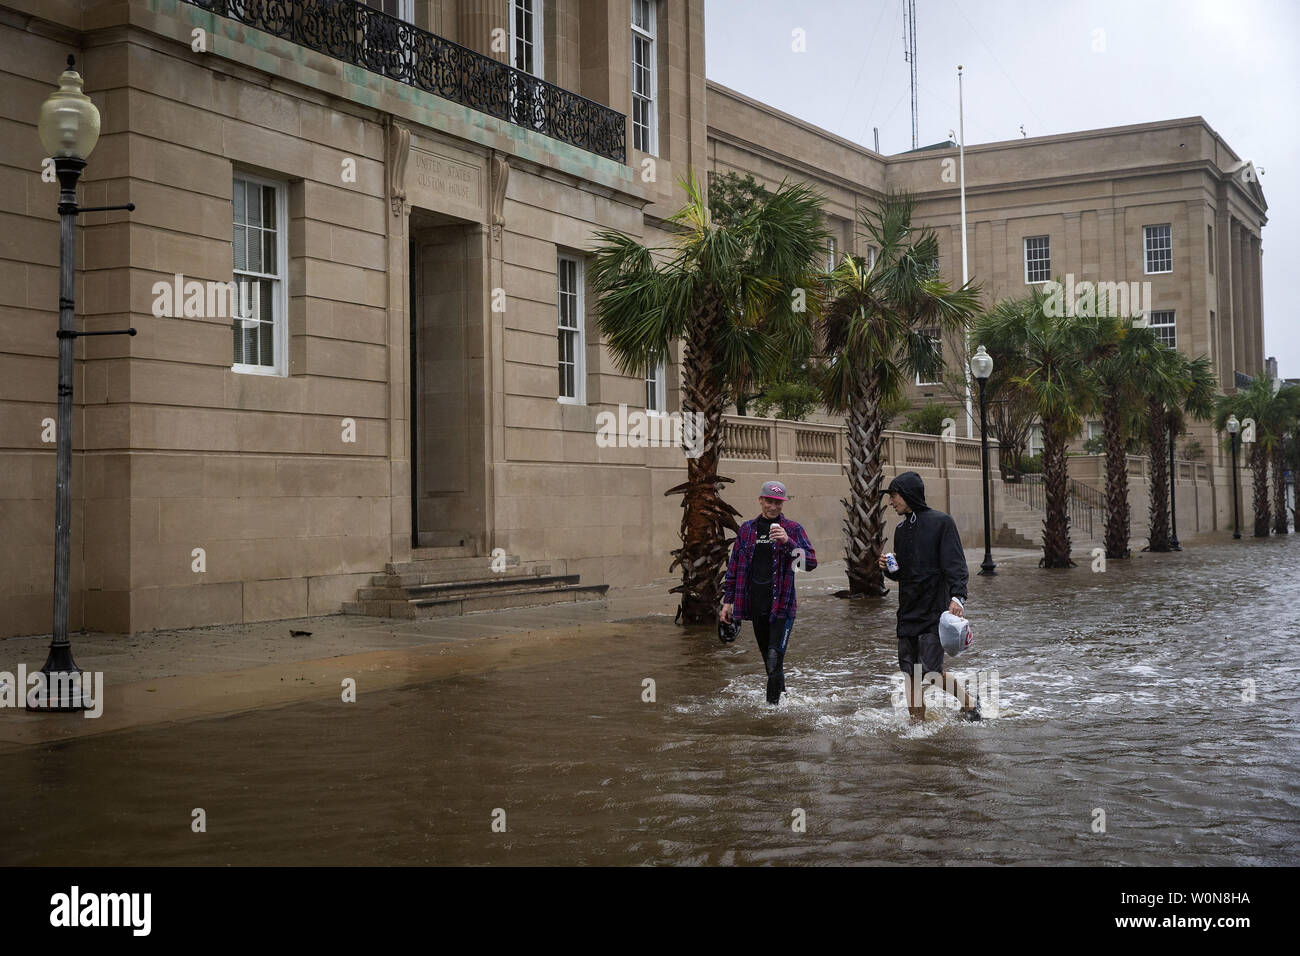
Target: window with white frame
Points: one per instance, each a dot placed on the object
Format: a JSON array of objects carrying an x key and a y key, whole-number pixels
[
  {"x": 1163, "y": 325},
  {"x": 1038, "y": 259},
  {"x": 830, "y": 253},
  {"x": 1035, "y": 440},
  {"x": 937, "y": 343},
  {"x": 526, "y": 36},
  {"x": 1094, "y": 430},
  {"x": 654, "y": 387},
  {"x": 645, "y": 126},
  {"x": 1159, "y": 249},
  {"x": 260, "y": 311},
  {"x": 871, "y": 258},
  {"x": 402, "y": 9},
  {"x": 570, "y": 334}
]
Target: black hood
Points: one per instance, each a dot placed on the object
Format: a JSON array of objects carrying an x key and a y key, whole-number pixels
[{"x": 912, "y": 489}]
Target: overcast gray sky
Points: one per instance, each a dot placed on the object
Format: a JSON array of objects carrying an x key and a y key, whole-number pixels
[{"x": 1033, "y": 63}]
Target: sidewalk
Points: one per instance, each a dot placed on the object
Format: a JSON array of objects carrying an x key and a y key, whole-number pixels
[{"x": 167, "y": 676}]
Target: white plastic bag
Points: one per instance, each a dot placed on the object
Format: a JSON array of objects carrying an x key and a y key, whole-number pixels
[{"x": 955, "y": 633}]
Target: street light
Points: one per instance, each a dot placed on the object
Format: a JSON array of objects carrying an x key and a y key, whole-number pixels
[
  {"x": 1234, "y": 426},
  {"x": 981, "y": 365},
  {"x": 69, "y": 128}
]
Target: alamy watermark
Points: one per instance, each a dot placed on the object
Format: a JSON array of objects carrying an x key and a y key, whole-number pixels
[
  {"x": 1089, "y": 299},
  {"x": 58, "y": 688},
  {"x": 638, "y": 429},
  {"x": 192, "y": 299},
  {"x": 983, "y": 686},
  {"x": 127, "y": 910}
]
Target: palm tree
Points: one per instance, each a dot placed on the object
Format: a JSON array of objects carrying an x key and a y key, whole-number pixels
[
  {"x": 1010, "y": 416},
  {"x": 731, "y": 292},
  {"x": 1172, "y": 387},
  {"x": 1272, "y": 414},
  {"x": 1291, "y": 461},
  {"x": 1199, "y": 389},
  {"x": 876, "y": 333},
  {"x": 1047, "y": 358},
  {"x": 1284, "y": 410},
  {"x": 1011, "y": 419},
  {"x": 1114, "y": 374}
]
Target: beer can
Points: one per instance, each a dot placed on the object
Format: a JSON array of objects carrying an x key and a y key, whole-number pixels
[{"x": 891, "y": 562}]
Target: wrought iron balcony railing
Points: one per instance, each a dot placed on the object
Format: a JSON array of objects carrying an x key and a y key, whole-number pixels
[{"x": 375, "y": 41}]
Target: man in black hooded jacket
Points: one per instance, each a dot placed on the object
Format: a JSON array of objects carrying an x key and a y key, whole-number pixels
[{"x": 931, "y": 579}]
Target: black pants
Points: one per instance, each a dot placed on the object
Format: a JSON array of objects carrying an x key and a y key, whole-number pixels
[{"x": 773, "y": 637}]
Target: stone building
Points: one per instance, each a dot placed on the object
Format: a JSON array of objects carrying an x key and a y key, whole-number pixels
[
  {"x": 404, "y": 193},
  {"x": 1166, "y": 203}
]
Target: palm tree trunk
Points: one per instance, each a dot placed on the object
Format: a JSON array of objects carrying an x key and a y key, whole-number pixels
[
  {"x": 1158, "y": 486},
  {"x": 706, "y": 518},
  {"x": 1279, "y": 491},
  {"x": 1005, "y": 451},
  {"x": 1056, "y": 481},
  {"x": 864, "y": 519},
  {"x": 1259, "y": 483},
  {"x": 1011, "y": 445},
  {"x": 1117, "y": 510}
]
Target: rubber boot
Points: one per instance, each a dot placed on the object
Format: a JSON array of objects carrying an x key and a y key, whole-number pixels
[{"x": 775, "y": 675}]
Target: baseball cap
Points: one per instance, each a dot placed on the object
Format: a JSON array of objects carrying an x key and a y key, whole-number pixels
[
  {"x": 955, "y": 633},
  {"x": 774, "y": 489}
]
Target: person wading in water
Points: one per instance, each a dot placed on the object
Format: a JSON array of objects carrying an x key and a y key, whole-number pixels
[
  {"x": 931, "y": 579},
  {"x": 760, "y": 580}
]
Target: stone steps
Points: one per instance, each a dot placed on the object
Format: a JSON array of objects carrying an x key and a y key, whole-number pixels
[
  {"x": 434, "y": 560},
  {"x": 443, "y": 582},
  {"x": 465, "y": 587},
  {"x": 496, "y": 600},
  {"x": 1022, "y": 526},
  {"x": 1019, "y": 526},
  {"x": 401, "y": 576}
]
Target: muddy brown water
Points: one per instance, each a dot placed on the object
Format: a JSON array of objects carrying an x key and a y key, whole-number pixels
[{"x": 1126, "y": 693}]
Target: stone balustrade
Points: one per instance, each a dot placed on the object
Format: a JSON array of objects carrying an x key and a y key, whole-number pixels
[
  {"x": 777, "y": 441},
  {"x": 813, "y": 461},
  {"x": 1091, "y": 470}
]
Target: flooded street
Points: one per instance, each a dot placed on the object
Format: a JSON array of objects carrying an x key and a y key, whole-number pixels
[{"x": 1126, "y": 693}]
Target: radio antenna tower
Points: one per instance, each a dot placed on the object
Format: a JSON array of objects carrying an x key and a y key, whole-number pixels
[{"x": 909, "y": 54}]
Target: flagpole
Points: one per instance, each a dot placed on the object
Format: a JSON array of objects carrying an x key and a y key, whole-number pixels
[{"x": 965, "y": 271}]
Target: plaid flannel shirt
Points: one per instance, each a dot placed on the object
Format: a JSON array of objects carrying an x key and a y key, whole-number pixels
[{"x": 736, "y": 588}]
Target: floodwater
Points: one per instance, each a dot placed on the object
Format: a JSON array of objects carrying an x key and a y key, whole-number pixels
[{"x": 1147, "y": 716}]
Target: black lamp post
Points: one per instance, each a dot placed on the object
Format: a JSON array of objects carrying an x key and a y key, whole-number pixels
[
  {"x": 69, "y": 128},
  {"x": 981, "y": 365},
  {"x": 1234, "y": 426},
  {"x": 1173, "y": 507}
]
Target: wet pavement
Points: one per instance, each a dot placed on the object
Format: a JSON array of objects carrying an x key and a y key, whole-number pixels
[{"x": 1147, "y": 715}]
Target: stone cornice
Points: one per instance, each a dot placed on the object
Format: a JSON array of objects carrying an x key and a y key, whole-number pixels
[{"x": 789, "y": 161}]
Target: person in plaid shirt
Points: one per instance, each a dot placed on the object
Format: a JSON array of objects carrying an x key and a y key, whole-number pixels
[{"x": 760, "y": 580}]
